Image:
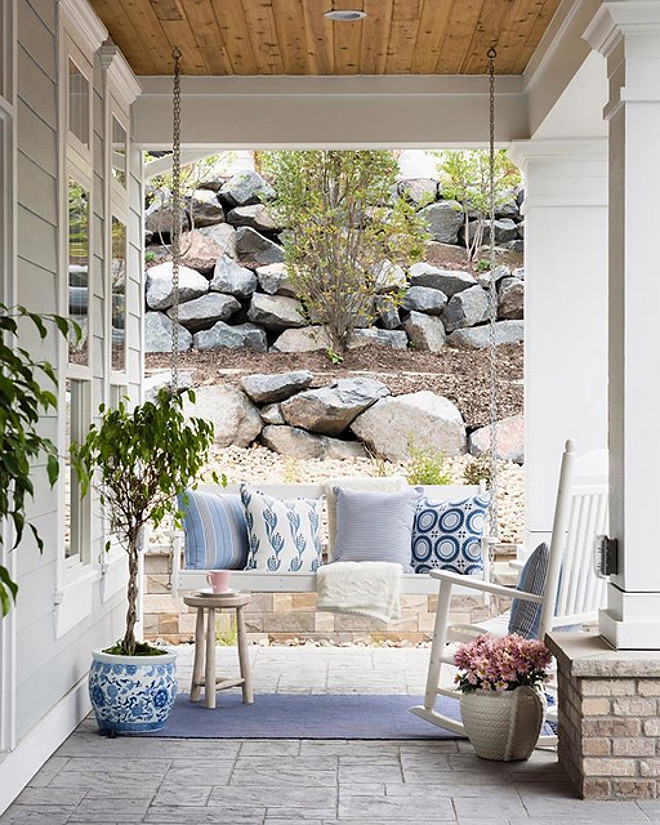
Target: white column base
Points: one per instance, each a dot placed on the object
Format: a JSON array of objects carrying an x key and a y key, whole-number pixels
[{"x": 631, "y": 621}]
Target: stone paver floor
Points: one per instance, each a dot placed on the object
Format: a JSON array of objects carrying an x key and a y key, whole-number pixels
[{"x": 92, "y": 779}]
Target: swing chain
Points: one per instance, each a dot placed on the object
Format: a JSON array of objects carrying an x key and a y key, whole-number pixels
[
  {"x": 176, "y": 249},
  {"x": 176, "y": 214},
  {"x": 492, "y": 300}
]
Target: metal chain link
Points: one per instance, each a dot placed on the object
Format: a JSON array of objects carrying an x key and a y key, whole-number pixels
[
  {"x": 176, "y": 214},
  {"x": 177, "y": 208},
  {"x": 492, "y": 294}
]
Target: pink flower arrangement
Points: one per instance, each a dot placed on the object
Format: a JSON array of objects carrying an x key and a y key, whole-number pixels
[{"x": 492, "y": 663}]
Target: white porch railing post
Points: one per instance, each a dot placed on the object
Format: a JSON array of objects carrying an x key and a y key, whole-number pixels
[
  {"x": 565, "y": 311},
  {"x": 628, "y": 35}
]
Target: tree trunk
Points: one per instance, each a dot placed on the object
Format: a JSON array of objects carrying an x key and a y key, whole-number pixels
[{"x": 134, "y": 547}]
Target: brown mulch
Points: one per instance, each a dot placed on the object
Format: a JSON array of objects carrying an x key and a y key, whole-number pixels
[{"x": 459, "y": 375}]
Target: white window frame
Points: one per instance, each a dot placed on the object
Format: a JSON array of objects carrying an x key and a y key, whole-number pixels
[
  {"x": 8, "y": 287},
  {"x": 80, "y": 34}
]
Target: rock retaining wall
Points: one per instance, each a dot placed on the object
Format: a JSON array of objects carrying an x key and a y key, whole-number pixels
[{"x": 235, "y": 293}]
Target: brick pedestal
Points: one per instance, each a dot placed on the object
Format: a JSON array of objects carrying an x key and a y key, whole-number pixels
[{"x": 609, "y": 717}]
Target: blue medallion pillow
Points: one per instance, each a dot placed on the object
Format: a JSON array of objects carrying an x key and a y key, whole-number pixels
[
  {"x": 525, "y": 618},
  {"x": 374, "y": 526},
  {"x": 447, "y": 535},
  {"x": 215, "y": 531},
  {"x": 284, "y": 535}
]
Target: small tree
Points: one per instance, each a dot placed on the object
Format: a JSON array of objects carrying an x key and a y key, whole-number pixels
[
  {"x": 465, "y": 177},
  {"x": 23, "y": 399},
  {"x": 343, "y": 224},
  {"x": 139, "y": 461}
]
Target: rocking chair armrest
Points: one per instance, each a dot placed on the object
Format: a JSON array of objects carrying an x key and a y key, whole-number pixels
[{"x": 484, "y": 587}]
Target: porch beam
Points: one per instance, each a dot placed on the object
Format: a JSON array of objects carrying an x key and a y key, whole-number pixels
[
  {"x": 329, "y": 112},
  {"x": 628, "y": 35}
]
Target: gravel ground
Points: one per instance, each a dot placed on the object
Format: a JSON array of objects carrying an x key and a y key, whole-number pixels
[{"x": 258, "y": 465}]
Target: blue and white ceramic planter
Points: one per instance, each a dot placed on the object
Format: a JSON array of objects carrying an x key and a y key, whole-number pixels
[{"x": 132, "y": 694}]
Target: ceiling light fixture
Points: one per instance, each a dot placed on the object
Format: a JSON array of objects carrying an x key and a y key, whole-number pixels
[{"x": 345, "y": 15}]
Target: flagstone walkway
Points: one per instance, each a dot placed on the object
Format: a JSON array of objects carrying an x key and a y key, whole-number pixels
[{"x": 96, "y": 780}]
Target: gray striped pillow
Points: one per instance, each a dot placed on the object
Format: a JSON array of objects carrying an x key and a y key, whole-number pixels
[{"x": 374, "y": 526}]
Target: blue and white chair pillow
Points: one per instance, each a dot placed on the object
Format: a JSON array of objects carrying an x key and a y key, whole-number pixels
[
  {"x": 215, "y": 531},
  {"x": 284, "y": 536},
  {"x": 447, "y": 535}
]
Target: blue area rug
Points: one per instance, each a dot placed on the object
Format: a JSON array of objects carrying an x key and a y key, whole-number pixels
[{"x": 305, "y": 716}]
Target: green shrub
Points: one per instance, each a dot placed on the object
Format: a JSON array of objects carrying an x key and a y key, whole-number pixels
[
  {"x": 478, "y": 470},
  {"x": 426, "y": 466}
]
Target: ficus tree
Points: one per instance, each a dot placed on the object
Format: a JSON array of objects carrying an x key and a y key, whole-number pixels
[
  {"x": 343, "y": 224},
  {"x": 465, "y": 177},
  {"x": 140, "y": 460},
  {"x": 28, "y": 389}
]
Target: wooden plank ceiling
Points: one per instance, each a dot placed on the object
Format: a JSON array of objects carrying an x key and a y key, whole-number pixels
[{"x": 292, "y": 37}]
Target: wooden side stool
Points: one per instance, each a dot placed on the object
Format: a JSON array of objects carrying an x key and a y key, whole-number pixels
[{"x": 204, "y": 675}]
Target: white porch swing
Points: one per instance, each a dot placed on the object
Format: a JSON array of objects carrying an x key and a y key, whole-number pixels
[{"x": 183, "y": 579}]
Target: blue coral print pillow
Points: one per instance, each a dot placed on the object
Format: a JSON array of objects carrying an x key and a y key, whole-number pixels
[
  {"x": 447, "y": 535},
  {"x": 283, "y": 534}
]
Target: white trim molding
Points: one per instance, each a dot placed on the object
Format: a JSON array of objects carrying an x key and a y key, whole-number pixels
[
  {"x": 80, "y": 17},
  {"x": 125, "y": 85},
  {"x": 621, "y": 17}
]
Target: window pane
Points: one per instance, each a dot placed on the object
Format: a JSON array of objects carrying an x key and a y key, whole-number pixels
[
  {"x": 78, "y": 104},
  {"x": 73, "y": 505},
  {"x": 118, "y": 276},
  {"x": 118, "y": 152},
  {"x": 78, "y": 269}
]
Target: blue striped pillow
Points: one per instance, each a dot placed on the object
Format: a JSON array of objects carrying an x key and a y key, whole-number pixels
[
  {"x": 215, "y": 531},
  {"x": 525, "y": 619},
  {"x": 373, "y": 526}
]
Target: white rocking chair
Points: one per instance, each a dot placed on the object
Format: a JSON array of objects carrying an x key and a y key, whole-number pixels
[{"x": 572, "y": 592}]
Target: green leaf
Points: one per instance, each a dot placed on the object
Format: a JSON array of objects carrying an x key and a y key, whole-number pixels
[{"x": 53, "y": 469}]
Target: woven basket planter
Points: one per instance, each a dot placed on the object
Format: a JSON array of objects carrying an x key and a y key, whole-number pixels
[{"x": 503, "y": 726}]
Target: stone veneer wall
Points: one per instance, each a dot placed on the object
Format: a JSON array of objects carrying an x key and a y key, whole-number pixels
[
  {"x": 609, "y": 717},
  {"x": 282, "y": 616}
]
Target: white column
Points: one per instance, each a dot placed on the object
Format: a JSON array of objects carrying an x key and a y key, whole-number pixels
[
  {"x": 565, "y": 312},
  {"x": 628, "y": 34}
]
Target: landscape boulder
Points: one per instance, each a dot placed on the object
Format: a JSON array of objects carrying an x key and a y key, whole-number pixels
[
  {"x": 330, "y": 410},
  {"x": 275, "y": 311},
  {"x": 466, "y": 309},
  {"x": 510, "y": 439},
  {"x": 265, "y": 389},
  {"x": 427, "y": 420},
  {"x": 235, "y": 418},
  {"x": 424, "y": 299},
  {"x": 506, "y": 332},
  {"x": 387, "y": 312},
  {"x": 500, "y": 272},
  {"x": 202, "y": 312},
  {"x": 511, "y": 299},
  {"x": 299, "y": 444},
  {"x": 444, "y": 219},
  {"x": 153, "y": 384},
  {"x": 158, "y": 334},
  {"x": 232, "y": 278},
  {"x": 224, "y": 236},
  {"x": 426, "y": 332},
  {"x": 505, "y": 230},
  {"x": 205, "y": 208},
  {"x": 272, "y": 414},
  {"x": 159, "y": 215},
  {"x": 389, "y": 277},
  {"x": 394, "y": 338},
  {"x": 251, "y": 247},
  {"x": 449, "y": 281},
  {"x": 274, "y": 279},
  {"x": 160, "y": 290},
  {"x": 419, "y": 191},
  {"x": 238, "y": 336},
  {"x": 199, "y": 251},
  {"x": 305, "y": 339},
  {"x": 258, "y": 216},
  {"x": 246, "y": 188}
]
